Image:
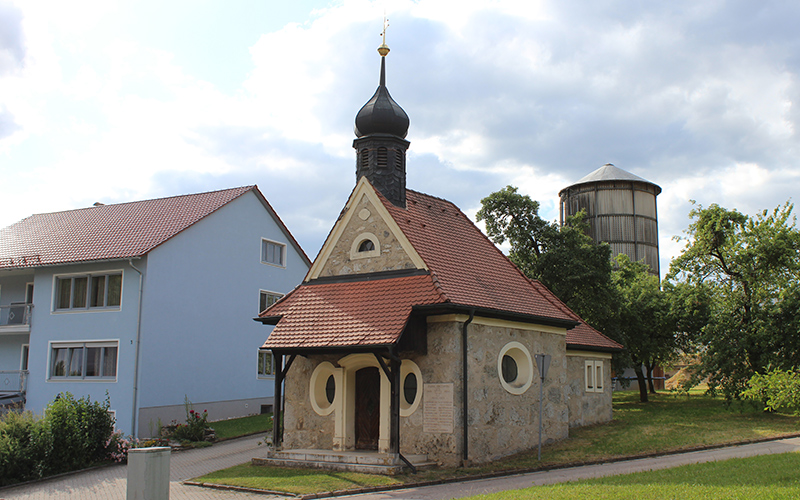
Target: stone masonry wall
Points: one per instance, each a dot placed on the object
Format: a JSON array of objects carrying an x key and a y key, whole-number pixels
[
  {"x": 303, "y": 427},
  {"x": 587, "y": 408},
  {"x": 500, "y": 423},
  {"x": 392, "y": 255}
]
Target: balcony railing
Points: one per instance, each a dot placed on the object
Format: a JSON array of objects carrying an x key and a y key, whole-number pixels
[
  {"x": 13, "y": 381},
  {"x": 15, "y": 315}
]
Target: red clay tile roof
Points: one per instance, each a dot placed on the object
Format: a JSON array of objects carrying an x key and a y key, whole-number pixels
[
  {"x": 470, "y": 268},
  {"x": 105, "y": 232},
  {"x": 361, "y": 313},
  {"x": 583, "y": 335},
  {"x": 466, "y": 268}
]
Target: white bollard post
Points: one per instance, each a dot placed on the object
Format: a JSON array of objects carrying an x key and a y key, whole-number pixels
[{"x": 148, "y": 473}]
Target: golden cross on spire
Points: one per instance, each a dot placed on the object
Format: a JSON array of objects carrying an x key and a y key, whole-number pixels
[{"x": 384, "y": 49}]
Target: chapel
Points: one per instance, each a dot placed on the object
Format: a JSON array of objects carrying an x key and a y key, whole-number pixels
[{"x": 412, "y": 339}]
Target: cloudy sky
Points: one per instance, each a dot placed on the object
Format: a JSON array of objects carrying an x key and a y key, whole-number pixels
[{"x": 119, "y": 101}]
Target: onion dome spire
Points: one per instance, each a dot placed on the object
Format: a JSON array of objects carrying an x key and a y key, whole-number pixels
[
  {"x": 381, "y": 114},
  {"x": 381, "y": 128}
]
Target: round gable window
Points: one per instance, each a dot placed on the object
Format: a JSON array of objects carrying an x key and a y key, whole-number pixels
[
  {"x": 364, "y": 246},
  {"x": 515, "y": 367}
]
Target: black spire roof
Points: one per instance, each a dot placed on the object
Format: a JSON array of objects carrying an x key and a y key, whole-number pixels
[{"x": 381, "y": 115}]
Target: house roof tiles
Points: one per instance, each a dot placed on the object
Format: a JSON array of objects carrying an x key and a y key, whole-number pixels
[
  {"x": 107, "y": 232},
  {"x": 361, "y": 313}
]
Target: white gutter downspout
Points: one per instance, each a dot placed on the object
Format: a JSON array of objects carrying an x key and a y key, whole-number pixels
[{"x": 134, "y": 431}]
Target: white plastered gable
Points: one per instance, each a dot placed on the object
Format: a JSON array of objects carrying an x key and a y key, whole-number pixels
[{"x": 365, "y": 239}]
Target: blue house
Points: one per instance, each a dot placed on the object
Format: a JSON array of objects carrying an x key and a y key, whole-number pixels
[{"x": 148, "y": 302}]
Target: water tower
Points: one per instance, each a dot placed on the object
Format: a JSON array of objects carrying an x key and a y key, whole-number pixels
[{"x": 621, "y": 210}]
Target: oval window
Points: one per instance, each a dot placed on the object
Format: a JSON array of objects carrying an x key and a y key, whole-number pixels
[
  {"x": 510, "y": 371},
  {"x": 330, "y": 389},
  {"x": 366, "y": 246},
  {"x": 410, "y": 388}
]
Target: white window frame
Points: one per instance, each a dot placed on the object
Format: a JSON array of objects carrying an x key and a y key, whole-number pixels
[
  {"x": 592, "y": 374},
  {"x": 57, "y": 279},
  {"x": 265, "y": 244},
  {"x": 522, "y": 357},
  {"x": 84, "y": 344},
  {"x": 267, "y": 293},
  {"x": 271, "y": 374}
]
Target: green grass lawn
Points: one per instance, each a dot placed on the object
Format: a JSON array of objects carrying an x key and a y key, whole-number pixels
[
  {"x": 768, "y": 476},
  {"x": 666, "y": 423},
  {"x": 236, "y": 427},
  {"x": 295, "y": 481}
]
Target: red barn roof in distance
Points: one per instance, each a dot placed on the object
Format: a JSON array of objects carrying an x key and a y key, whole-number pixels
[
  {"x": 110, "y": 232},
  {"x": 465, "y": 270}
]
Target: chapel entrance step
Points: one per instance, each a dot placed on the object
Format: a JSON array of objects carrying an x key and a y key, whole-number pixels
[{"x": 369, "y": 462}]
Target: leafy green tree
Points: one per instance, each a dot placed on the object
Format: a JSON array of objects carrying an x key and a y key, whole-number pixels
[
  {"x": 645, "y": 324},
  {"x": 750, "y": 267},
  {"x": 564, "y": 258}
]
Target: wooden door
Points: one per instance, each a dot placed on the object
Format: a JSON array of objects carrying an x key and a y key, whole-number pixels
[{"x": 368, "y": 408}]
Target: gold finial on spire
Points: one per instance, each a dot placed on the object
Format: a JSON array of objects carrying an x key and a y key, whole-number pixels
[{"x": 384, "y": 49}]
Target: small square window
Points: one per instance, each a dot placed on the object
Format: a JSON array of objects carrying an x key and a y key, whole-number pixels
[
  {"x": 265, "y": 364},
  {"x": 266, "y": 299},
  {"x": 273, "y": 253}
]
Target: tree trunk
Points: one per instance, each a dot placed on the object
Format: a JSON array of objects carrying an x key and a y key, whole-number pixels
[
  {"x": 642, "y": 382},
  {"x": 650, "y": 367}
]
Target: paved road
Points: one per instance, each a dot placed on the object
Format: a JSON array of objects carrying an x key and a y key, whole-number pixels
[
  {"x": 109, "y": 483},
  {"x": 468, "y": 488}
]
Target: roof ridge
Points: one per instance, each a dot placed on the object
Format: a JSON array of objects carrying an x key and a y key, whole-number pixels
[{"x": 245, "y": 188}]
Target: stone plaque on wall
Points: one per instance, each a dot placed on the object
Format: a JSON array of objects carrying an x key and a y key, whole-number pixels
[{"x": 437, "y": 415}]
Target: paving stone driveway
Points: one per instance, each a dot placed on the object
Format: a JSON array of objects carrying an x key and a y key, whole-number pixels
[{"x": 110, "y": 483}]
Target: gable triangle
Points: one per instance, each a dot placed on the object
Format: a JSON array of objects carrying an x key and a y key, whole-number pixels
[{"x": 365, "y": 239}]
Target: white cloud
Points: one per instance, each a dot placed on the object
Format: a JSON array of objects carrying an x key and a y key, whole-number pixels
[{"x": 698, "y": 98}]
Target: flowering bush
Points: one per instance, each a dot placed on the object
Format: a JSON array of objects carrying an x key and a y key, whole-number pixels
[
  {"x": 196, "y": 426},
  {"x": 118, "y": 445}
]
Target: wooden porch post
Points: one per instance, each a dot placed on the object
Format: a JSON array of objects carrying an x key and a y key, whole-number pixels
[{"x": 277, "y": 433}]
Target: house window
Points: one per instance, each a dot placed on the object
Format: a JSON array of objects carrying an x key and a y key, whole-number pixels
[
  {"x": 265, "y": 364},
  {"x": 89, "y": 291},
  {"x": 266, "y": 299},
  {"x": 23, "y": 362},
  {"x": 273, "y": 253},
  {"x": 410, "y": 386},
  {"x": 83, "y": 360},
  {"x": 515, "y": 368},
  {"x": 365, "y": 245},
  {"x": 593, "y": 375}
]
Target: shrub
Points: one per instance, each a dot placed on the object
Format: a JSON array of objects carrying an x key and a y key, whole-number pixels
[
  {"x": 195, "y": 427},
  {"x": 776, "y": 389},
  {"x": 80, "y": 432},
  {"x": 24, "y": 448}
]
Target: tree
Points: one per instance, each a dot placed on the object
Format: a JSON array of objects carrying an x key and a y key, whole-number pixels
[
  {"x": 645, "y": 325},
  {"x": 751, "y": 269},
  {"x": 564, "y": 258}
]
